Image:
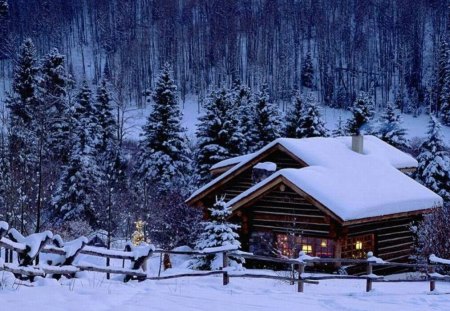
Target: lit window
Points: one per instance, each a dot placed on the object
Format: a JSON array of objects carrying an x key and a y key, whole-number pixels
[
  {"x": 359, "y": 245},
  {"x": 323, "y": 243},
  {"x": 307, "y": 248}
]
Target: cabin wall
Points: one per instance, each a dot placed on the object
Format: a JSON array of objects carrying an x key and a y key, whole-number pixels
[{"x": 393, "y": 238}]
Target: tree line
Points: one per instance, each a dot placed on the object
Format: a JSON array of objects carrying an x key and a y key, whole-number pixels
[{"x": 392, "y": 49}]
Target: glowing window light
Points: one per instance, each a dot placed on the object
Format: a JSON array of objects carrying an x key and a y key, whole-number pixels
[
  {"x": 323, "y": 243},
  {"x": 307, "y": 248},
  {"x": 359, "y": 245}
]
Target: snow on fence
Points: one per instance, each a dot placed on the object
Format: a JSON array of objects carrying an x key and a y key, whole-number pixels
[{"x": 28, "y": 248}]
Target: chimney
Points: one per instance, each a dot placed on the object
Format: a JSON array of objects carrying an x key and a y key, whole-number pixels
[{"x": 358, "y": 143}]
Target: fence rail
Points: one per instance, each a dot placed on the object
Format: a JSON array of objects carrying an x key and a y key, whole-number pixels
[{"x": 28, "y": 249}]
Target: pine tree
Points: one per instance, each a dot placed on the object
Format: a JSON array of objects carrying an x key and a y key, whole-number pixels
[
  {"x": 443, "y": 79},
  {"x": 77, "y": 193},
  {"x": 242, "y": 102},
  {"x": 434, "y": 161},
  {"x": 107, "y": 123},
  {"x": 293, "y": 117},
  {"x": 24, "y": 105},
  {"x": 163, "y": 152},
  {"x": 363, "y": 112},
  {"x": 268, "y": 125},
  {"x": 216, "y": 232},
  {"x": 307, "y": 76},
  {"x": 310, "y": 123},
  {"x": 219, "y": 137},
  {"x": 340, "y": 129},
  {"x": 53, "y": 87},
  {"x": 390, "y": 128}
]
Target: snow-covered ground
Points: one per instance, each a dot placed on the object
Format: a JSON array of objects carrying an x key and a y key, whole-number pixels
[
  {"x": 136, "y": 118},
  {"x": 94, "y": 292}
]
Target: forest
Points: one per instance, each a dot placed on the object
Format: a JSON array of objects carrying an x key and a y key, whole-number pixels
[{"x": 261, "y": 70}]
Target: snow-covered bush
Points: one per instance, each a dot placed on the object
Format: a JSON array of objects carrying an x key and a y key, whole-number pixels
[
  {"x": 217, "y": 232},
  {"x": 432, "y": 234}
]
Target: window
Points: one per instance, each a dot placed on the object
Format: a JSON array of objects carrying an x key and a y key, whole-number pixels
[
  {"x": 358, "y": 246},
  {"x": 290, "y": 246}
]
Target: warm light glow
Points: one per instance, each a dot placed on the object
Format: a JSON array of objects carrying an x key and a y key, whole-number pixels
[
  {"x": 323, "y": 243},
  {"x": 307, "y": 248},
  {"x": 358, "y": 245}
]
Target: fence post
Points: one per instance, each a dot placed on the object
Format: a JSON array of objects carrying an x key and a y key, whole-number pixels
[
  {"x": 431, "y": 270},
  {"x": 369, "y": 277},
  {"x": 300, "y": 269},
  {"x": 226, "y": 278}
]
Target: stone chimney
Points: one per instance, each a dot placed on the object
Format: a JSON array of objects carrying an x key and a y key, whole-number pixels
[{"x": 358, "y": 143}]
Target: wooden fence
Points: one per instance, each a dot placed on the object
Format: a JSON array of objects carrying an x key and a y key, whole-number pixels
[{"x": 28, "y": 248}]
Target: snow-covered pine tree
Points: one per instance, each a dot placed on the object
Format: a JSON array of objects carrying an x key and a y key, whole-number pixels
[
  {"x": 268, "y": 124},
  {"x": 163, "y": 152},
  {"x": 77, "y": 191},
  {"x": 53, "y": 86},
  {"x": 443, "y": 77},
  {"x": 310, "y": 123},
  {"x": 242, "y": 101},
  {"x": 107, "y": 123},
  {"x": 293, "y": 116},
  {"x": 340, "y": 129},
  {"x": 434, "y": 161},
  {"x": 362, "y": 113},
  {"x": 307, "y": 76},
  {"x": 218, "y": 231},
  {"x": 24, "y": 100},
  {"x": 390, "y": 128},
  {"x": 24, "y": 105},
  {"x": 219, "y": 137}
]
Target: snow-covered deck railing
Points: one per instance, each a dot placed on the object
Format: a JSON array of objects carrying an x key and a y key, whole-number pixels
[{"x": 435, "y": 259}]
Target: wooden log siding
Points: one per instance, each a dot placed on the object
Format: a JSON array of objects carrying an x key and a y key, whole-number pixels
[
  {"x": 393, "y": 238},
  {"x": 282, "y": 211}
]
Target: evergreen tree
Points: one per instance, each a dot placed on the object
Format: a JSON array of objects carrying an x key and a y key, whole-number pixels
[
  {"x": 340, "y": 129},
  {"x": 24, "y": 105},
  {"x": 390, "y": 128},
  {"x": 242, "y": 101},
  {"x": 293, "y": 117},
  {"x": 53, "y": 87},
  {"x": 307, "y": 76},
  {"x": 163, "y": 153},
  {"x": 77, "y": 193},
  {"x": 219, "y": 137},
  {"x": 434, "y": 162},
  {"x": 107, "y": 123},
  {"x": 310, "y": 123},
  {"x": 363, "y": 112},
  {"x": 216, "y": 232},
  {"x": 268, "y": 125},
  {"x": 443, "y": 79}
]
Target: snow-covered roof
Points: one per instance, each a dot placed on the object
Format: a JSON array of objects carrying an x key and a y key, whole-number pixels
[
  {"x": 353, "y": 185},
  {"x": 231, "y": 161},
  {"x": 316, "y": 151}
]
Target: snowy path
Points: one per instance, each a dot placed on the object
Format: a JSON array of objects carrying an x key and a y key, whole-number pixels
[{"x": 208, "y": 294}]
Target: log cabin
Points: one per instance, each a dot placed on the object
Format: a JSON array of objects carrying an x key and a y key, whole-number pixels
[{"x": 329, "y": 197}]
